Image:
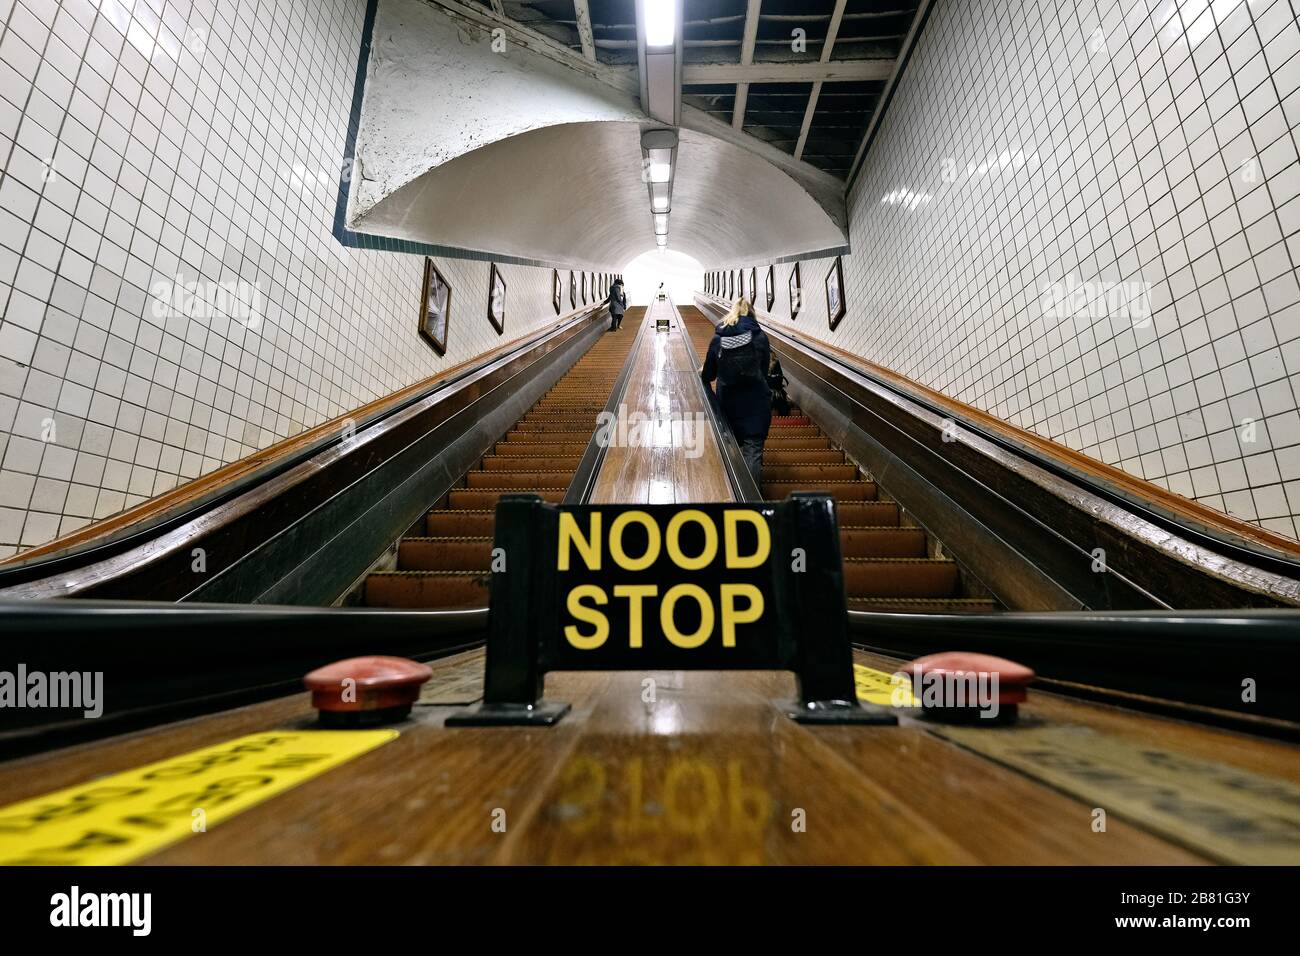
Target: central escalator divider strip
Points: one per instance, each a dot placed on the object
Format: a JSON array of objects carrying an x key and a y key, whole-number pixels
[
  {"x": 546, "y": 453},
  {"x": 588, "y": 467}
]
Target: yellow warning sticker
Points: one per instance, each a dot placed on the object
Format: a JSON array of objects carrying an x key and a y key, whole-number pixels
[
  {"x": 122, "y": 817},
  {"x": 877, "y": 687}
]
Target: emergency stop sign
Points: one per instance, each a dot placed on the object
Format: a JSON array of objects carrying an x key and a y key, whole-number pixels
[{"x": 667, "y": 587}]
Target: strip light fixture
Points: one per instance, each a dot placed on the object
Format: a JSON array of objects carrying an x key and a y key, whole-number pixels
[
  {"x": 659, "y": 56},
  {"x": 659, "y": 159}
]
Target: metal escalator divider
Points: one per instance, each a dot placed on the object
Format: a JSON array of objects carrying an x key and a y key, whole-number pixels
[{"x": 450, "y": 565}]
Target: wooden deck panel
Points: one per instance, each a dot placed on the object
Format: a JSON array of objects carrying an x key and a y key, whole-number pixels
[
  {"x": 710, "y": 772},
  {"x": 677, "y": 465}
]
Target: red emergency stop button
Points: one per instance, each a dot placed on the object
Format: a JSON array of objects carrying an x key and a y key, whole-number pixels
[
  {"x": 366, "y": 690},
  {"x": 962, "y": 686}
]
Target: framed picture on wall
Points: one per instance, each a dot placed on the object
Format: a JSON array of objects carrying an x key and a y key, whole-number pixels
[
  {"x": 435, "y": 308},
  {"x": 753, "y": 285},
  {"x": 796, "y": 293},
  {"x": 731, "y": 284},
  {"x": 582, "y": 283},
  {"x": 496, "y": 299},
  {"x": 771, "y": 286},
  {"x": 835, "y": 304},
  {"x": 573, "y": 290}
]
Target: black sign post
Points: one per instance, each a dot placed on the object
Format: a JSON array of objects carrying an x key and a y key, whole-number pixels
[{"x": 668, "y": 587}]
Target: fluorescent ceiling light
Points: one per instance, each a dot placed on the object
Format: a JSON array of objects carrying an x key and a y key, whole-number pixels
[
  {"x": 662, "y": 240},
  {"x": 661, "y": 219},
  {"x": 661, "y": 203},
  {"x": 660, "y": 172},
  {"x": 660, "y": 23}
]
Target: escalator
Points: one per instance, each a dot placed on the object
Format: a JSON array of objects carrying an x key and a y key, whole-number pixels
[
  {"x": 400, "y": 518},
  {"x": 448, "y": 564},
  {"x": 889, "y": 565}
]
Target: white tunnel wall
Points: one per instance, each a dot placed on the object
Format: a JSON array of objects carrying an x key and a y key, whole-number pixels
[
  {"x": 1193, "y": 156},
  {"x": 183, "y": 155}
]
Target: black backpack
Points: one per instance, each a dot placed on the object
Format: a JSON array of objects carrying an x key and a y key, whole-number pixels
[
  {"x": 777, "y": 382},
  {"x": 739, "y": 365}
]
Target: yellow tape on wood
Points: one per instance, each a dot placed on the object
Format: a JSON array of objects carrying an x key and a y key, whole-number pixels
[{"x": 124, "y": 816}]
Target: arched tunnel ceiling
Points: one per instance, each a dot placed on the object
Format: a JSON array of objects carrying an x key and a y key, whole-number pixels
[
  {"x": 573, "y": 194},
  {"x": 507, "y": 151}
]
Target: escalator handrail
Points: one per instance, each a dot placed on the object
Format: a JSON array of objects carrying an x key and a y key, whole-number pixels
[
  {"x": 1166, "y": 661},
  {"x": 75, "y": 615},
  {"x": 1240, "y": 551}
]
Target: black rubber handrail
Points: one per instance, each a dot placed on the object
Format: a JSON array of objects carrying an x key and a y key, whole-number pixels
[
  {"x": 739, "y": 477},
  {"x": 160, "y": 661},
  {"x": 1168, "y": 661},
  {"x": 593, "y": 456},
  {"x": 68, "y": 616},
  {"x": 1241, "y": 551},
  {"x": 100, "y": 549}
]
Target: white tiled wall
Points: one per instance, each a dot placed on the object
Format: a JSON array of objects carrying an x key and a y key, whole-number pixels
[
  {"x": 1091, "y": 143},
  {"x": 148, "y": 139}
]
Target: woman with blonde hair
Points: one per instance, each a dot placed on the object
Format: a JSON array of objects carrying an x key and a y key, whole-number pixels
[{"x": 738, "y": 359}]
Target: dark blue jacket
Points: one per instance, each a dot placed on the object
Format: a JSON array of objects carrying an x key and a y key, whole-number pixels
[
  {"x": 747, "y": 408},
  {"x": 617, "y": 299}
]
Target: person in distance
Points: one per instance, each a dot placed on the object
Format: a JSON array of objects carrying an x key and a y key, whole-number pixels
[{"x": 617, "y": 305}]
